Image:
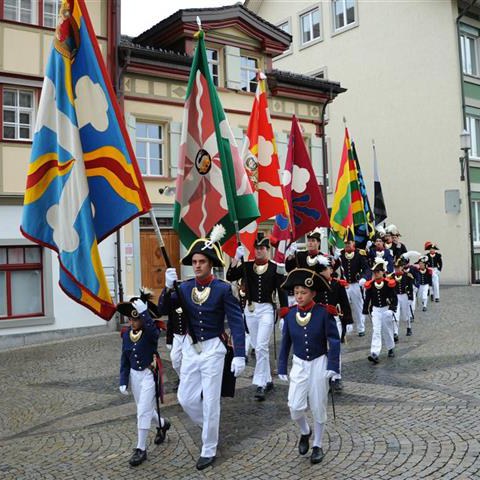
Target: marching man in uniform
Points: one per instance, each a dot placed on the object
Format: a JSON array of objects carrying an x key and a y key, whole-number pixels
[
  {"x": 207, "y": 301},
  {"x": 436, "y": 264},
  {"x": 424, "y": 281},
  {"x": 312, "y": 332},
  {"x": 307, "y": 258},
  {"x": 137, "y": 369},
  {"x": 263, "y": 280},
  {"x": 381, "y": 302}
]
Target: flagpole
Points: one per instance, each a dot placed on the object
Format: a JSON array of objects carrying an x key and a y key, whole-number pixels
[{"x": 181, "y": 302}]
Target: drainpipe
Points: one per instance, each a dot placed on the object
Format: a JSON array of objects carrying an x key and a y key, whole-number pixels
[{"x": 467, "y": 156}]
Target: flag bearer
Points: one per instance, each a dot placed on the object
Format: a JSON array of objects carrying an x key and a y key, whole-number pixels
[{"x": 311, "y": 331}]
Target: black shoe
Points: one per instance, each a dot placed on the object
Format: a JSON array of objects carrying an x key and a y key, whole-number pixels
[
  {"x": 204, "y": 462},
  {"x": 269, "y": 387},
  {"x": 424, "y": 309},
  {"x": 437, "y": 300},
  {"x": 391, "y": 353},
  {"x": 138, "y": 457},
  {"x": 317, "y": 455},
  {"x": 431, "y": 298},
  {"x": 303, "y": 444},
  {"x": 373, "y": 357},
  {"x": 260, "y": 394},
  {"x": 337, "y": 385},
  {"x": 162, "y": 433},
  {"x": 361, "y": 334},
  {"x": 409, "y": 332},
  {"x": 395, "y": 337}
]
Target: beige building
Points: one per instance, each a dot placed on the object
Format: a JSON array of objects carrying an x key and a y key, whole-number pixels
[
  {"x": 400, "y": 62},
  {"x": 151, "y": 77}
]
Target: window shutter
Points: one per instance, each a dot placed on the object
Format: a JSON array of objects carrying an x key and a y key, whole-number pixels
[
  {"x": 282, "y": 146},
  {"x": 316, "y": 156},
  {"x": 232, "y": 66},
  {"x": 175, "y": 134},
  {"x": 131, "y": 123}
]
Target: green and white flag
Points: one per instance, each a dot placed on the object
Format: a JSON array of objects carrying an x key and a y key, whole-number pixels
[{"x": 212, "y": 184}]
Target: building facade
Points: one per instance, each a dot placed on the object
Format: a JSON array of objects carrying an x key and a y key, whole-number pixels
[{"x": 401, "y": 64}]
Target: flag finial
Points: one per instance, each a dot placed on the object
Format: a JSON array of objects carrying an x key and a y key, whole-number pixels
[
  {"x": 345, "y": 120},
  {"x": 199, "y": 23},
  {"x": 373, "y": 141}
]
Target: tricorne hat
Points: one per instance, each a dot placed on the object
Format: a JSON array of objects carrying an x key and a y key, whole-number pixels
[
  {"x": 208, "y": 247},
  {"x": 316, "y": 234},
  {"x": 305, "y": 277},
  {"x": 146, "y": 295},
  {"x": 262, "y": 240}
]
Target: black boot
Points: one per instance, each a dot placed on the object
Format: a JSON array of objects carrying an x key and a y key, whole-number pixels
[
  {"x": 138, "y": 457},
  {"x": 317, "y": 455},
  {"x": 395, "y": 337},
  {"x": 260, "y": 394},
  {"x": 391, "y": 353},
  {"x": 373, "y": 357},
  {"x": 268, "y": 387},
  {"x": 162, "y": 432},
  {"x": 303, "y": 444},
  {"x": 409, "y": 332},
  {"x": 424, "y": 309},
  {"x": 204, "y": 462}
]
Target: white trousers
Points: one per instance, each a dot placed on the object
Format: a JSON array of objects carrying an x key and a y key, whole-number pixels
[
  {"x": 413, "y": 303},
  {"x": 308, "y": 387},
  {"x": 382, "y": 321},
  {"x": 339, "y": 328},
  {"x": 423, "y": 294},
  {"x": 260, "y": 325},
  {"x": 403, "y": 310},
  {"x": 355, "y": 298},
  {"x": 201, "y": 376},
  {"x": 176, "y": 351},
  {"x": 143, "y": 389},
  {"x": 436, "y": 283}
]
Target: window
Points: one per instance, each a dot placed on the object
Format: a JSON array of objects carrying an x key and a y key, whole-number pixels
[
  {"x": 469, "y": 54},
  {"x": 343, "y": 13},
  {"x": 51, "y": 9},
  {"x": 476, "y": 222},
  {"x": 286, "y": 27},
  {"x": 310, "y": 25},
  {"x": 21, "y": 282},
  {"x": 17, "y": 114},
  {"x": 149, "y": 148},
  {"x": 473, "y": 126},
  {"x": 212, "y": 56},
  {"x": 248, "y": 73},
  {"x": 19, "y": 10}
]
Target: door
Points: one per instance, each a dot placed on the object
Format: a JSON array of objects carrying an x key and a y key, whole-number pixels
[{"x": 152, "y": 262}]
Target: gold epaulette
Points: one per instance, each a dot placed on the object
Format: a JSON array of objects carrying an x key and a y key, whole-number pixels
[{"x": 362, "y": 252}]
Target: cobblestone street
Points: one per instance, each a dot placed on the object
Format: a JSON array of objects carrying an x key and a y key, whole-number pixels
[{"x": 411, "y": 417}]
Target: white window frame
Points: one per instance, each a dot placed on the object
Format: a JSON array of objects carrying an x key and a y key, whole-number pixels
[
  {"x": 309, "y": 12},
  {"x": 467, "y": 54},
  {"x": 57, "y": 4},
  {"x": 347, "y": 26},
  {"x": 474, "y": 136},
  {"x": 216, "y": 62},
  {"x": 17, "y": 109},
  {"x": 475, "y": 208},
  {"x": 18, "y": 11},
  {"x": 247, "y": 69},
  {"x": 286, "y": 21},
  {"x": 148, "y": 141}
]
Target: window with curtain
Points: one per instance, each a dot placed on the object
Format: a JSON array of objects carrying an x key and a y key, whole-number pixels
[
  {"x": 17, "y": 114},
  {"x": 150, "y": 148},
  {"x": 344, "y": 13},
  {"x": 310, "y": 25}
]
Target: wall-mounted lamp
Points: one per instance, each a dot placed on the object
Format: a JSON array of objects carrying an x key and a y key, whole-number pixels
[
  {"x": 465, "y": 145},
  {"x": 167, "y": 191}
]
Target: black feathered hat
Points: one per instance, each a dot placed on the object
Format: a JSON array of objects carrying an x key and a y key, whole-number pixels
[
  {"x": 305, "y": 277},
  {"x": 127, "y": 308},
  {"x": 262, "y": 240},
  {"x": 208, "y": 247}
]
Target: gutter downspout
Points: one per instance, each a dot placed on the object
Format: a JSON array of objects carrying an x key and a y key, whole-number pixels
[{"x": 467, "y": 156}]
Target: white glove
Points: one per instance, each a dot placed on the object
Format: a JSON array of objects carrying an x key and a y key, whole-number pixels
[
  {"x": 140, "y": 306},
  {"x": 123, "y": 389},
  {"x": 291, "y": 249},
  {"x": 240, "y": 252},
  {"x": 280, "y": 324},
  {"x": 169, "y": 346},
  {"x": 336, "y": 253},
  {"x": 170, "y": 277},
  {"x": 368, "y": 245},
  {"x": 283, "y": 378},
  {"x": 362, "y": 282},
  {"x": 238, "y": 365},
  {"x": 330, "y": 374}
]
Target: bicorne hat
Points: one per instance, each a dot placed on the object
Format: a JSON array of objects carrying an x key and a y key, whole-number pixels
[
  {"x": 208, "y": 247},
  {"x": 262, "y": 240},
  {"x": 305, "y": 277},
  {"x": 127, "y": 308}
]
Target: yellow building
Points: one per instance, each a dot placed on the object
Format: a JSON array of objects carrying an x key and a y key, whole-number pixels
[{"x": 152, "y": 78}]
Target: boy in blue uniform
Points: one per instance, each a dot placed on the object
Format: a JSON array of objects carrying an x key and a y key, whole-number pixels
[
  {"x": 207, "y": 301},
  {"x": 313, "y": 333},
  {"x": 139, "y": 356}
]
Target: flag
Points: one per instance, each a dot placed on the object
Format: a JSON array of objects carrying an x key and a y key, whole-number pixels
[
  {"x": 379, "y": 209},
  {"x": 304, "y": 199},
  {"x": 366, "y": 230},
  {"x": 260, "y": 159},
  {"x": 212, "y": 184},
  {"x": 83, "y": 181},
  {"x": 341, "y": 217}
]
